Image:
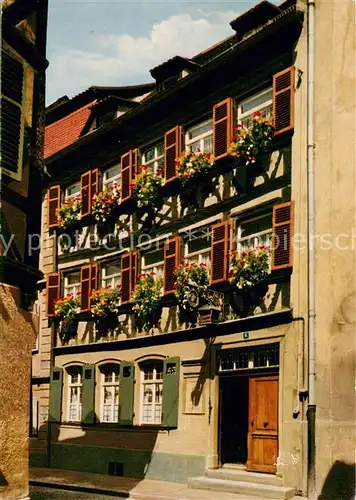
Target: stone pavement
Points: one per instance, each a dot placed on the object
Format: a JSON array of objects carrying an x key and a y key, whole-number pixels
[{"x": 123, "y": 487}]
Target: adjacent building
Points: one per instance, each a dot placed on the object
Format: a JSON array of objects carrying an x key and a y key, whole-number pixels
[
  {"x": 23, "y": 65},
  {"x": 226, "y": 396}
]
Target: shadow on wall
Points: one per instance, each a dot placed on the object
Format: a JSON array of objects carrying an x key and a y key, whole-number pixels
[
  {"x": 3, "y": 481},
  {"x": 339, "y": 483}
]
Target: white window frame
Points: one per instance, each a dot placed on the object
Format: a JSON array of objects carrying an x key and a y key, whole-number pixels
[
  {"x": 157, "y": 267},
  {"x": 73, "y": 385},
  {"x": 112, "y": 384},
  {"x": 255, "y": 236},
  {"x": 261, "y": 107},
  {"x": 11, "y": 53},
  {"x": 200, "y": 137},
  {"x": 116, "y": 179},
  {"x": 112, "y": 280},
  {"x": 154, "y": 382},
  {"x": 76, "y": 193},
  {"x": 73, "y": 288},
  {"x": 156, "y": 159},
  {"x": 35, "y": 417},
  {"x": 199, "y": 256}
]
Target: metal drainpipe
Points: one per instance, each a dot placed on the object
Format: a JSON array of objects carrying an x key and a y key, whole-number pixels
[{"x": 311, "y": 262}]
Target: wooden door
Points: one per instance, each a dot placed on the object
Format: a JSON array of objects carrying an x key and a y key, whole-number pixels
[{"x": 263, "y": 424}]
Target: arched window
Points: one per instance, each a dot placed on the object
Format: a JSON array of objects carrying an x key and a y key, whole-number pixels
[
  {"x": 109, "y": 392},
  {"x": 75, "y": 393},
  {"x": 151, "y": 391}
]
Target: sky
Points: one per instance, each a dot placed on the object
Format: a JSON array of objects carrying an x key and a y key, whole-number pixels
[{"x": 115, "y": 42}]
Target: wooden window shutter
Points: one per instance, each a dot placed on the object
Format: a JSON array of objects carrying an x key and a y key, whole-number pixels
[
  {"x": 94, "y": 277},
  {"x": 85, "y": 189},
  {"x": 219, "y": 252},
  {"x": 88, "y": 401},
  {"x": 53, "y": 205},
  {"x": 126, "y": 176},
  {"x": 283, "y": 100},
  {"x": 53, "y": 291},
  {"x": 85, "y": 286},
  {"x": 126, "y": 278},
  {"x": 134, "y": 263},
  {"x": 12, "y": 117},
  {"x": 282, "y": 223},
  {"x": 126, "y": 400},
  {"x": 135, "y": 161},
  {"x": 171, "y": 262},
  {"x": 95, "y": 183},
  {"x": 170, "y": 403},
  {"x": 172, "y": 152},
  {"x": 222, "y": 127},
  {"x": 55, "y": 395}
]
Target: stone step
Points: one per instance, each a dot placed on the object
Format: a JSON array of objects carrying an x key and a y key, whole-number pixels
[
  {"x": 240, "y": 474},
  {"x": 241, "y": 487}
]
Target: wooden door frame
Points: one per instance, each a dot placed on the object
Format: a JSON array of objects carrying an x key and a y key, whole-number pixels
[{"x": 263, "y": 372}]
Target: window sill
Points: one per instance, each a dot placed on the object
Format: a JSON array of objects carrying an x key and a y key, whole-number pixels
[{"x": 113, "y": 426}]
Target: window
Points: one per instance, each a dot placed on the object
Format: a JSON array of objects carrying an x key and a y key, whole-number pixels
[
  {"x": 112, "y": 176},
  {"x": 152, "y": 390},
  {"x": 153, "y": 157},
  {"x": 105, "y": 118},
  {"x": 111, "y": 275},
  {"x": 34, "y": 417},
  {"x": 75, "y": 394},
  {"x": 12, "y": 116},
  {"x": 259, "y": 102},
  {"x": 200, "y": 137},
  {"x": 153, "y": 262},
  {"x": 72, "y": 283},
  {"x": 254, "y": 232},
  {"x": 110, "y": 393},
  {"x": 73, "y": 190},
  {"x": 197, "y": 246}
]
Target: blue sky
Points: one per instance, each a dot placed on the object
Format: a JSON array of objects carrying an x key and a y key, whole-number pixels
[{"x": 117, "y": 42}]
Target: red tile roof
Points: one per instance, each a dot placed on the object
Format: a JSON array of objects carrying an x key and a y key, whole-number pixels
[{"x": 64, "y": 132}]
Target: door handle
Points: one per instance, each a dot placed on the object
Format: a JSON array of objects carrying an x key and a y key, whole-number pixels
[{"x": 265, "y": 424}]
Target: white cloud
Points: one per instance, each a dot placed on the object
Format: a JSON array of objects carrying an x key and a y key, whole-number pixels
[{"x": 124, "y": 59}]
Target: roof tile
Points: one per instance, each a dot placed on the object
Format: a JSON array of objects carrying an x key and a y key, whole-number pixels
[{"x": 64, "y": 132}]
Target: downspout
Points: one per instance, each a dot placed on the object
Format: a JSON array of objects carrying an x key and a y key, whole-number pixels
[{"x": 311, "y": 260}]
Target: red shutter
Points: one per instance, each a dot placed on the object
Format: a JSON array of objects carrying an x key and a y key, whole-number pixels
[
  {"x": 53, "y": 201},
  {"x": 134, "y": 262},
  {"x": 95, "y": 179},
  {"x": 219, "y": 252},
  {"x": 126, "y": 176},
  {"x": 53, "y": 291},
  {"x": 126, "y": 277},
  {"x": 172, "y": 152},
  {"x": 171, "y": 262},
  {"x": 222, "y": 128},
  {"x": 282, "y": 249},
  {"x": 85, "y": 281},
  {"x": 94, "y": 277},
  {"x": 283, "y": 100},
  {"x": 135, "y": 165},
  {"x": 85, "y": 189}
]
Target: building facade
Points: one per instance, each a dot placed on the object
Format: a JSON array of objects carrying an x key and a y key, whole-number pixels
[
  {"x": 224, "y": 379},
  {"x": 23, "y": 66}
]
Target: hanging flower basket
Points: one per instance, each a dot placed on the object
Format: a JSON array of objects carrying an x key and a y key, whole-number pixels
[
  {"x": 191, "y": 284},
  {"x": 105, "y": 307},
  {"x": 250, "y": 145},
  {"x": 147, "y": 300},
  {"x": 104, "y": 205},
  {"x": 193, "y": 164},
  {"x": 249, "y": 267},
  {"x": 146, "y": 188},
  {"x": 66, "y": 310},
  {"x": 69, "y": 213}
]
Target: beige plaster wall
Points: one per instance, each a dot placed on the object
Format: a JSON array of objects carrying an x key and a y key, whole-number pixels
[
  {"x": 335, "y": 155},
  {"x": 17, "y": 336}
]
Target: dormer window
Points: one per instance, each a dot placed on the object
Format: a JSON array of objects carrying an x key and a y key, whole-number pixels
[{"x": 104, "y": 118}]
